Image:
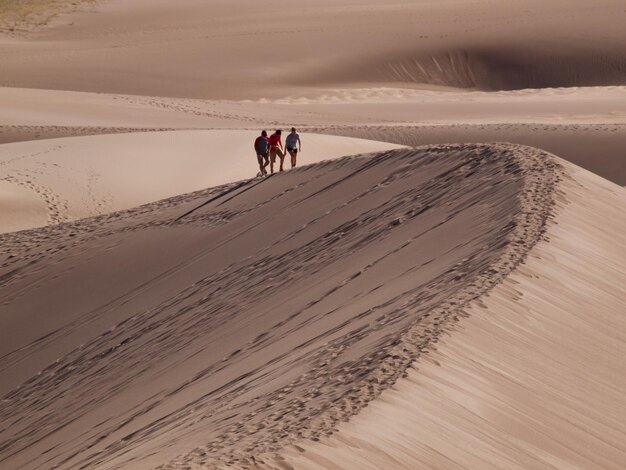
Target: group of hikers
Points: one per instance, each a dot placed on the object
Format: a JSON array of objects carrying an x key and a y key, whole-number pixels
[{"x": 268, "y": 148}]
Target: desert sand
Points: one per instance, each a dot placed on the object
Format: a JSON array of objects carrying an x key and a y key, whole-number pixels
[
  {"x": 586, "y": 126},
  {"x": 78, "y": 177},
  {"x": 472, "y": 402},
  {"x": 195, "y": 49},
  {"x": 438, "y": 284}
]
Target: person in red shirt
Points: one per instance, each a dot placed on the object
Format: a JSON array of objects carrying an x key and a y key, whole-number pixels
[
  {"x": 262, "y": 149},
  {"x": 276, "y": 149}
]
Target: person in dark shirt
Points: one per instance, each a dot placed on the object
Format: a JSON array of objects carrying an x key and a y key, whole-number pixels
[{"x": 262, "y": 149}]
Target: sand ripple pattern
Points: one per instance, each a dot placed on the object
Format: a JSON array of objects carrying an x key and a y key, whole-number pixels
[{"x": 252, "y": 315}]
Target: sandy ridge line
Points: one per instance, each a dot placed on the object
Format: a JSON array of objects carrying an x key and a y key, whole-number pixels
[
  {"x": 22, "y": 133},
  {"x": 383, "y": 130},
  {"x": 540, "y": 175},
  {"x": 398, "y": 133},
  {"x": 470, "y": 403},
  {"x": 534, "y": 169},
  {"x": 596, "y": 147}
]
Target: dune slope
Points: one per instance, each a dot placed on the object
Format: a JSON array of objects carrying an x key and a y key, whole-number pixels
[
  {"x": 533, "y": 377},
  {"x": 200, "y": 49},
  {"x": 236, "y": 320},
  {"x": 597, "y": 147}
]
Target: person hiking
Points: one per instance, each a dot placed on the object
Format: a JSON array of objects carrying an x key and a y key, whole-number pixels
[
  {"x": 262, "y": 149},
  {"x": 276, "y": 148},
  {"x": 293, "y": 145}
]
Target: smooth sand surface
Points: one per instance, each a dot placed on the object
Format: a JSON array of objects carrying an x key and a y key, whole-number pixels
[
  {"x": 533, "y": 377},
  {"x": 20, "y": 207},
  {"x": 57, "y": 180},
  {"x": 586, "y": 126},
  {"x": 222, "y": 49},
  {"x": 593, "y": 105}
]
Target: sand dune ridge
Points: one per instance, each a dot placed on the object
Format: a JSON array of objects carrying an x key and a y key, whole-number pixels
[
  {"x": 540, "y": 175},
  {"x": 343, "y": 222},
  {"x": 447, "y": 305},
  {"x": 504, "y": 68},
  {"x": 533, "y": 377}
]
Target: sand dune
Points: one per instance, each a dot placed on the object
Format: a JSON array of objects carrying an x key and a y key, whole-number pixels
[
  {"x": 457, "y": 305},
  {"x": 32, "y": 107},
  {"x": 532, "y": 377},
  {"x": 207, "y": 50},
  {"x": 585, "y": 126},
  {"x": 267, "y": 314},
  {"x": 331, "y": 106},
  {"x": 598, "y": 148},
  {"x": 502, "y": 67},
  {"x": 11, "y": 133},
  {"x": 57, "y": 180}
]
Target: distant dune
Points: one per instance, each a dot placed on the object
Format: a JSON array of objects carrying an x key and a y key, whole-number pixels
[
  {"x": 199, "y": 49},
  {"x": 22, "y": 16},
  {"x": 586, "y": 126},
  {"x": 501, "y": 67}
]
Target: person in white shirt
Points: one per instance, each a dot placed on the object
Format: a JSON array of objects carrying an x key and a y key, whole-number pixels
[{"x": 293, "y": 146}]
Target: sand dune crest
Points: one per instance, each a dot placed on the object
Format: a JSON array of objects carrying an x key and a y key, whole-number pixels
[
  {"x": 233, "y": 280},
  {"x": 444, "y": 305},
  {"x": 532, "y": 378}
]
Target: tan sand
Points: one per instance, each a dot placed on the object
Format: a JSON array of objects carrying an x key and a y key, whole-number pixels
[
  {"x": 12, "y": 133},
  {"x": 20, "y": 206},
  {"x": 237, "y": 320},
  {"x": 380, "y": 106},
  {"x": 533, "y": 377},
  {"x": 199, "y": 49},
  {"x": 585, "y": 126},
  {"x": 452, "y": 306},
  {"x": 57, "y": 180},
  {"x": 598, "y": 147}
]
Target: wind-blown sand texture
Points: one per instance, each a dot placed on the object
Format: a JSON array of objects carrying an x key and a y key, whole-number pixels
[
  {"x": 533, "y": 376},
  {"x": 442, "y": 305},
  {"x": 290, "y": 357},
  {"x": 389, "y": 317},
  {"x": 200, "y": 49}
]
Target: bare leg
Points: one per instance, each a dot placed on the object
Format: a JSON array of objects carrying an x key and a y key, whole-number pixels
[
  {"x": 261, "y": 167},
  {"x": 281, "y": 154},
  {"x": 293, "y": 158},
  {"x": 267, "y": 162},
  {"x": 272, "y": 160}
]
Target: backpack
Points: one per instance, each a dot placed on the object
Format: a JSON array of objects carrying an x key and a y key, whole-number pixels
[{"x": 262, "y": 145}]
